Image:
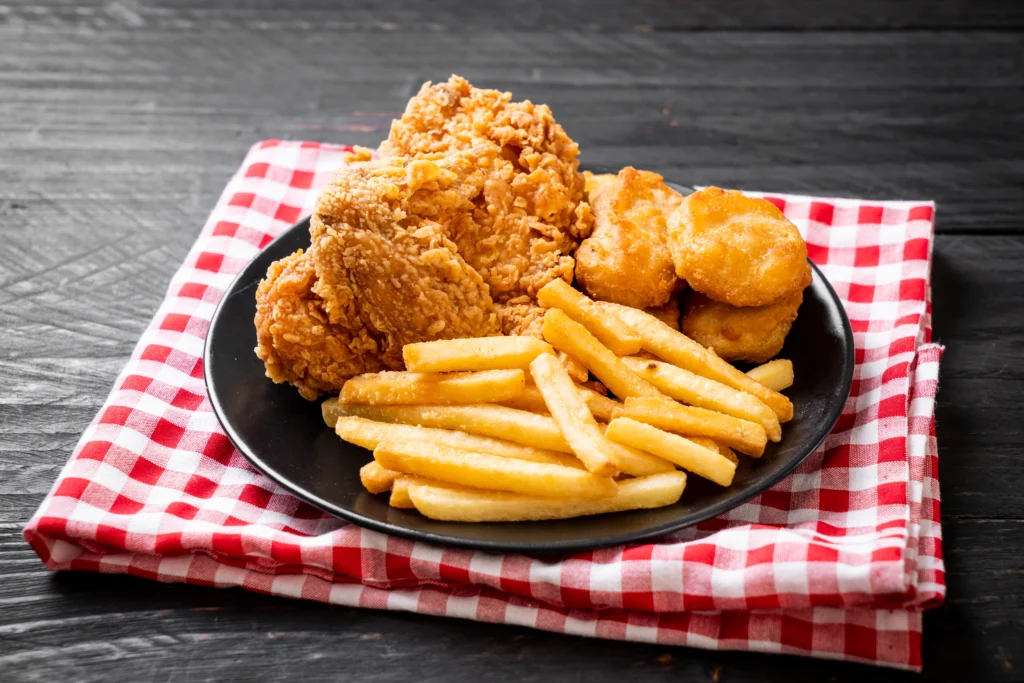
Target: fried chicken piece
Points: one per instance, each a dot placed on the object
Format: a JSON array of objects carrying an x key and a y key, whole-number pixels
[
  {"x": 626, "y": 259},
  {"x": 531, "y": 215},
  {"x": 736, "y": 249},
  {"x": 296, "y": 341},
  {"x": 754, "y": 334},
  {"x": 668, "y": 313},
  {"x": 382, "y": 251}
]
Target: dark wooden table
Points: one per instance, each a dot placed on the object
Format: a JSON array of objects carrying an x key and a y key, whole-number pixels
[{"x": 121, "y": 121}]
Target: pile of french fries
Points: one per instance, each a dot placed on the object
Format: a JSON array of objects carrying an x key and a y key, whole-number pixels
[{"x": 510, "y": 428}]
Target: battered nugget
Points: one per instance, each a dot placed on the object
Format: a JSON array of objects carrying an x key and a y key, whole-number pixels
[
  {"x": 754, "y": 334},
  {"x": 736, "y": 249},
  {"x": 626, "y": 259}
]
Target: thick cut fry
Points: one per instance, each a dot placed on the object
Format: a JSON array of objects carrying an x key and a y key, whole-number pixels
[
  {"x": 412, "y": 388},
  {"x": 575, "y": 367},
  {"x": 678, "y": 349},
  {"x": 330, "y": 411},
  {"x": 636, "y": 462},
  {"x": 377, "y": 479},
  {"x": 743, "y": 435},
  {"x": 481, "y": 353},
  {"x": 570, "y": 412},
  {"x": 683, "y": 452},
  {"x": 400, "y": 490},
  {"x": 499, "y": 422},
  {"x": 611, "y": 332},
  {"x": 369, "y": 434},
  {"x": 706, "y": 393},
  {"x": 466, "y": 505},
  {"x": 775, "y": 374},
  {"x": 571, "y": 337},
  {"x": 707, "y": 443},
  {"x": 483, "y": 471},
  {"x": 531, "y": 399}
]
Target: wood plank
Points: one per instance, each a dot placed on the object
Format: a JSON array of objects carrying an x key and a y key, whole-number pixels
[{"x": 456, "y": 16}]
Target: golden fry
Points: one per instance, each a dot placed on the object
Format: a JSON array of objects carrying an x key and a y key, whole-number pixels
[
  {"x": 608, "y": 330},
  {"x": 706, "y": 393},
  {"x": 377, "y": 479},
  {"x": 570, "y": 412},
  {"x": 369, "y": 434},
  {"x": 330, "y": 411},
  {"x": 481, "y": 353},
  {"x": 400, "y": 493},
  {"x": 775, "y": 374},
  {"x": 466, "y": 505},
  {"x": 499, "y": 422},
  {"x": 743, "y": 435},
  {"x": 412, "y": 388},
  {"x": 480, "y": 470},
  {"x": 571, "y": 337},
  {"x": 532, "y": 400},
  {"x": 575, "y": 367},
  {"x": 636, "y": 462},
  {"x": 678, "y": 349},
  {"x": 707, "y": 443},
  {"x": 683, "y": 452}
]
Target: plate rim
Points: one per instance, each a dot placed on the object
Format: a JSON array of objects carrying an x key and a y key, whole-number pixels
[{"x": 543, "y": 547}]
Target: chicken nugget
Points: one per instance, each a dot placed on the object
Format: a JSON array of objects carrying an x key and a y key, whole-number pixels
[
  {"x": 754, "y": 333},
  {"x": 736, "y": 249},
  {"x": 626, "y": 259}
]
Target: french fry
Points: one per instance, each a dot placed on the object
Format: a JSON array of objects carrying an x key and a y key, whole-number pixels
[
  {"x": 683, "y": 452},
  {"x": 611, "y": 332},
  {"x": 570, "y": 412},
  {"x": 480, "y": 470},
  {"x": 400, "y": 490},
  {"x": 743, "y": 435},
  {"x": 481, "y": 353},
  {"x": 571, "y": 337},
  {"x": 678, "y": 349},
  {"x": 531, "y": 399},
  {"x": 369, "y": 434},
  {"x": 707, "y": 443},
  {"x": 575, "y": 367},
  {"x": 330, "y": 411},
  {"x": 706, "y": 393},
  {"x": 466, "y": 505},
  {"x": 499, "y": 422},
  {"x": 775, "y": 374},
  {"x": 377, "y": 479},
  {"x": 636, "y": 462},
  {"x": 411, "y": 388}
]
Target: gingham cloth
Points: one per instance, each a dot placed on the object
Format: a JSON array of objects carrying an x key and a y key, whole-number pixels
[{"x": 837, "y": 561}]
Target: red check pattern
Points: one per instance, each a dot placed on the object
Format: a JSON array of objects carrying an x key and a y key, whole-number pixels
[{"x": 837, "y": 561}]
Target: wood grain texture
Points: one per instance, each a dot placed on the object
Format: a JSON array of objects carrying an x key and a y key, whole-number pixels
[{"x": 120, "y": 122}]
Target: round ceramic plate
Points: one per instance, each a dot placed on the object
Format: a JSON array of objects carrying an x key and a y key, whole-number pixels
[{"x": 284, "y": 436}]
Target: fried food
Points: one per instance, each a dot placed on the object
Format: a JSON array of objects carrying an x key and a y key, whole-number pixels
[
  {"x": 484, "y": 353},
  {"x": 531, "y": 215},
  {"x": 456, "y": 504},
  {"x": 736, "y": 249},
  {"x": 436, "y": 388},
  {"x": 297, "y": 342},
  {"x": 626, "y": 258},
  {"x": 776, "y": 374},
  {"x": 689, "y": 421},
  {"x": 485, "y": 471},
  {"x": 753, "y": 333},
  {"x": 668, "y": 313},
  {"x": 692, "y": 457},
  {"x": 680, "y": 350},
  {"x": 609, "y": 331}
]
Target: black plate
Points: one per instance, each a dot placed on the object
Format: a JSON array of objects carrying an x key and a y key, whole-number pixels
[{"x": 284, "y": 437}]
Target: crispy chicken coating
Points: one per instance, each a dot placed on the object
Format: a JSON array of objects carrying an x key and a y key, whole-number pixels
[
  {"x": 736, "y": 249},
  {"x": 754, "y": 333},
  {"x": 626, "y": 258}
]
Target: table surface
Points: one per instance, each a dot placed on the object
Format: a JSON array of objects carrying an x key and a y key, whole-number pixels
[{"x": 121, "y": 121}]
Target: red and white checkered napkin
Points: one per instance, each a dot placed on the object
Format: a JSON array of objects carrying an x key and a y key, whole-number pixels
[{"x": 836, "y": 561}]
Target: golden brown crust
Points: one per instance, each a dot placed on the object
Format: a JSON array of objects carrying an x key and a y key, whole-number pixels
[
  {"x": 296, "y": 341},
  {"x": 736, "y": 249},
  {"x": 626, "y": 259},
  {"x": 754, "y": 334},
  {"x": 531, "y": 215},
  {"x": 382, "y": 252}
]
